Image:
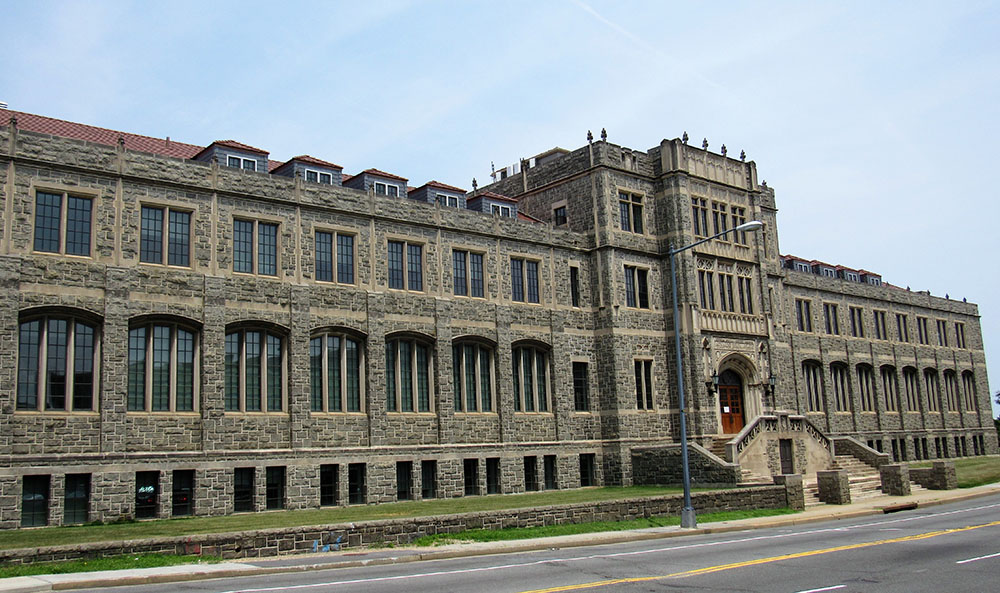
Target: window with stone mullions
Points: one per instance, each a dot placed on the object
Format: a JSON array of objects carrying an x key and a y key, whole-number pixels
[
  {"x": 912, "y": 388},
  {"x": 969, "y": 390},
  {"x": 472, "y": 370},
  {"x": 410, "y": 277},
  {"x": 255, "y": 241},
  {"x": 933, "y": 389},
  {"x": 335, "y": 373},
  {"x": 699, "y": 217},
  {"x": 467, "y": 272},
  {"x": 408, "y": 373},
  {"x": 706, "y": 290},
  {"x": 878, "y": 320},
  {"x": 866, "y": 388},
  {"x": 902, "y": 329},
  {"x": 739, "y": 217},
  {"x": 832, "y": 320},
  {"x": 524, "y": 280},
  {"x": 254, "y": 380},
  {"x": 814, "y": 393},
  {"x": 581, "y": 387},
  {"x": 720, "y": 220},
  {"x": 857, "y": 324},
  {"x": 841, "y": 387},
  {"x": 630, "y": 210},
  {"x": 175, "y": 240},
  {"x": 56, "y": 364},
  {"x": 959, "y": 335},
  {"x": 54, "y": 212},
  {"x": 803, "y": 315},
  {"x": 951, "y": 390},
  {"x": 161, "y": 368},
  {"x": 745, "y": 295},
  {"x": 636, "y": 287},
  {"x": 328, "y": 251},
  {"x": 726, "y": 300},
  {"x": 644, "y": 384},
  {"x": 531, "y": 379},
  {"x": 942, "y": 332},
  {"x": 889, "y": 390}
]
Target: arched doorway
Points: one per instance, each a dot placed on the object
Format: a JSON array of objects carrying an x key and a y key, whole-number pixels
[{"x": 731, "y": 402}]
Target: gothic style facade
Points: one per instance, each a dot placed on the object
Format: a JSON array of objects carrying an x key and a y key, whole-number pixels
[{"x": 203, "y": 330}]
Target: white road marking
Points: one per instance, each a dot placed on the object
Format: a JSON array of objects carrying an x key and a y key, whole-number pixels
[
  {"x": 979, "y": 558},
  {"x": 605, "y": 556},
  {"x": 833, "y": 588}
]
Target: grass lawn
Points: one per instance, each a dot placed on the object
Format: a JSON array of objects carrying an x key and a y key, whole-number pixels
[
  {"x": 112, "y": 563},
  {"x": 973, "y": 471},
  {"x": 492, "y": 535},
  {"x": 48, "y": 536}
]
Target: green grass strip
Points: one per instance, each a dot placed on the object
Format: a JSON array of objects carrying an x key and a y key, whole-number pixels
[
  {"x": 108, "y": 563},
  {"x": 513, "y": 533},
  {"x": 972, "y": 471}
]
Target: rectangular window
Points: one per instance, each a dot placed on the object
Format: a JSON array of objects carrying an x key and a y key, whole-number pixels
[
  {"x": 803, "y": 315},
  {"x": 147, "y": 494},
  {"x": 726, "y": 297},
  {"x": 274, "y": 478},
  {"x": 878, "y": 320},
  {"x": 404, "y": 480},
  {"x": 174, "y": 238},
  {"x": 329, "y": 484},
  {"x": 912, "y": 391},
  {"x": 902, "y": 328},
  {"x": 241, "y": 163},
  {"x": 386, "y": 189},
  {"x": 857, "y": 324},
  {"x": 923, "y": 335},
  {"x": 493, "y": 475},
  {"x": 720, "y": 220},
  {"x": 841, "y": 387},
  {"x": 581, "y": 387},
  {"x": 357, "y": 490},
  {"x": 530, "y": 473},
  {"x": 630, "y": 209},
  {"x": 428, "y": 479},
  {"x": 470, "y": 474},
  {"x": 182, "y": 492},
  {"x": 814, "y": 386},
  {"x": 644, "y": 384},
  {"x": 746, "y": 296},
  {"x": 933, "y": 391},
  {"x": 588, "y": 470},
  {"x": 942, "y": 332},
  {"x": 551, "y": 479},
  {"x": 959, "y": 335},
  {"x": 739, "y": 216},
  {"x": 243, "y": 490},
  {"x": 969, "y": 391},
  {"x": 832, "y": 323},
  {"x": 334, "y": 247},
  {"x": 951, "y": 391},
  {"x": 467, "y": 273},
  {"x": 889, "y": 388},
  {"x": 699, "y": 217},
  {"x": 410, "y": 277},
  {"x": 54, "y": 212},
  {"x": 255, "y": 239},
  {"x": 706, "y": 291},
  {"x": 531, "y": 383},
  {"x": 574, "y": 286},
  {"x": 865, "y": 386},
  {"x": 636, "y": 287},
  {"x": 524, "y": 280},
  {"x": 559, "y": 216},
  {"x": 35, "y": 501},
  {"x": 76, "y": 499}
]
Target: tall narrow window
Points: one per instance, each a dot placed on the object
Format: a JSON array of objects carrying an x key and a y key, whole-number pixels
[
  {"x": 969, "y": 390},
  {"x": 334, "y": 257},
  {"x": 335, "y": 373},
  {"x": 706, "y": 291},
  {"x": 959, "y": 334},
  {"x": 951, "y": 390},
  {"x": 62, "y": 223},
  {"x": 739, "y": 216},
  {"x": 922, "y": 332},
  {"x": 472, "y": 369},
  {"x": 408, "y": 373},
  {"x": 56, "y": 364},
  {"x": 643, "y": 384},
  {"x": 243, "y": 489},
  {"x": 878, "y": 320},
  {"x": 165, "y": 230},
  {"x": 467, "y": 273},
  {"x": 803, "y": 315},
  {"x": 699, "y": 217},
  {"x": 161, "y": 367},
  {"x": 726, "y": 297},
  {"x": 866, "y": 388},
  {"x": 76, "y": 499},
  {"x": 35, "y": 501},
  {"x": 814, "y": 386},
  {"x": 942, "y": 332},
  {"x": 832, "y": 323},
  {"x": 636, "y": 287},
  {"x": 630, "y": 211},
  {"x": 408, "y": 273},
  {"x": 841, "y": 387},
  {"x": 524, "y": 280},
  {"x": 902, "y": 328},
  {"x": 581, "y": 387},
  {"x": 746, "y": 296},
  {"x": 531, "y": 379},
  {"x": 255, "y": 243},
  {"x": 254, "y": 371},
  {"x": 274, "y": 487},
  {"x": 574, "y": 286},
  {"x": 889, "y": 389},
  {"x": 720, "y": 220},
  {"x": 912, "y": 387},
  {"x": 857, "y": 324},
  {"x": 933, "y": 389}
]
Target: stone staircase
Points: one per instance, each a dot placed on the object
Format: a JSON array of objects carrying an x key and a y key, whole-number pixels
[
  {"x": 865, "y": 481},
  {"x": 718, "y": 448}
]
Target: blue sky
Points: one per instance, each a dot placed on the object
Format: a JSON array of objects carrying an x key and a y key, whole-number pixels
[{"x": 875, "y": 122}]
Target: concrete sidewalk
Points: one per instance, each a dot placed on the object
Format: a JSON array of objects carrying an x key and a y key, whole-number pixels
[{"x": 360, "y": 557}]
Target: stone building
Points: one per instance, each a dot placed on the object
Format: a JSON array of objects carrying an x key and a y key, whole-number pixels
[{"x": 204, "y": 330}]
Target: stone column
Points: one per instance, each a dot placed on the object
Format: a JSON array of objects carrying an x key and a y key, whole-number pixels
[
  {"x": 895, "y": 479},
  {"x": 795, "y": 496},
  {"x": 834, "y": 486}
]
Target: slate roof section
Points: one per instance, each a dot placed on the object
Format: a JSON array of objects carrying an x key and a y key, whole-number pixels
[
  {"x": 378, "y": 173},
  {"x": 439, "y": 185}
]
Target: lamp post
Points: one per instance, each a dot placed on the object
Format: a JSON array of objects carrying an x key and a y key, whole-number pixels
[{"x": 688, "y": 519}]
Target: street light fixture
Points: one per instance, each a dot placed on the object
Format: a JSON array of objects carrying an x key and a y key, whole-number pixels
[{"x": 688, "y": 519}]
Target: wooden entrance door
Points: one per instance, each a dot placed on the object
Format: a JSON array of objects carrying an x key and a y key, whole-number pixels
[{"x": 731, "y": 402}]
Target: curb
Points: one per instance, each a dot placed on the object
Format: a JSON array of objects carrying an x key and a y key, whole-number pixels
[{"x": 33, "y": 584}]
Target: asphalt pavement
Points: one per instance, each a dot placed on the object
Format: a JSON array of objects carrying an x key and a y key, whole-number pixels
[{"x": 378, "y": 557}]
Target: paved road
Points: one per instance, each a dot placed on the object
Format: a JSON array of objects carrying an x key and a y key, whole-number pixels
[{"x": 948, "y": 548}]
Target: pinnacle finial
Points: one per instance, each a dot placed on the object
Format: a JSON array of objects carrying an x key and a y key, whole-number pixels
[
  {"x": 604, "y": 135},
  {"x": 724, "y": 151},
  {"x": 475, "y": 184},
  {"x": 684, "y": 138},
  {"x": 590, "y": 137},
  {"x": 743, "y": 155},
  {"x": 704, "y": 143}
]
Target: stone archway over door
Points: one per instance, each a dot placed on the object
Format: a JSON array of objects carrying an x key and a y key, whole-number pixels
[{"x": 731, "y": 402}]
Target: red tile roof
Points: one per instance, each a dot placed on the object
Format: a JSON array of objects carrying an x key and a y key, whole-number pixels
[
  {"x": 378, "y": 173},
  {"x": 304, "y": 158},
  {"x": 493, "y": 196},
  {"x": 232, "y": 144},
  {"x": 444, "y": 186},
  {"x": 345, "y": 178},
  {"x": 67, "y": 129},
  {"x": 527, "y": 217}
]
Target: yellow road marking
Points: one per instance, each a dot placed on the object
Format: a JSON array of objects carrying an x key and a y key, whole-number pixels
[{"x": 721, "y": 567}]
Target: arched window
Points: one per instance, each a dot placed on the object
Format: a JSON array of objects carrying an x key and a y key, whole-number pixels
[
  {"x": 969, "y": 390},
  {"x": 866, "y": 390},
  {"x": 336, "y": 372},
  {"x": 531, "y": 378},
  {"x": 841, "y": 386},
  {"x": 162, "y": 366},
  {"x": 255, "y": 362},
  {"x": 408, "y": 372},
  {"x": 889, "y": 388},
  {"x": 57, "y": 363},
  {"x": 473, "y": 372},
  {"x": 933, "y": 389},
  {"x": 951, "y": 390},
  {"x": 912, "y": 388},
  {"x": 812, "y": 377}
]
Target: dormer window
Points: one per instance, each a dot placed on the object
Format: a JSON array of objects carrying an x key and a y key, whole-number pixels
[
  {"x": 829, "y": 272},
  {"x": 241, "y": 163},
  {"x": 318, "y": 177},
  {"x": 852, "y": 276},
  {"x": 453, "y": 201},
  {"x": 386, "y": 189},
  {"x": 802, "y": 267}
]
